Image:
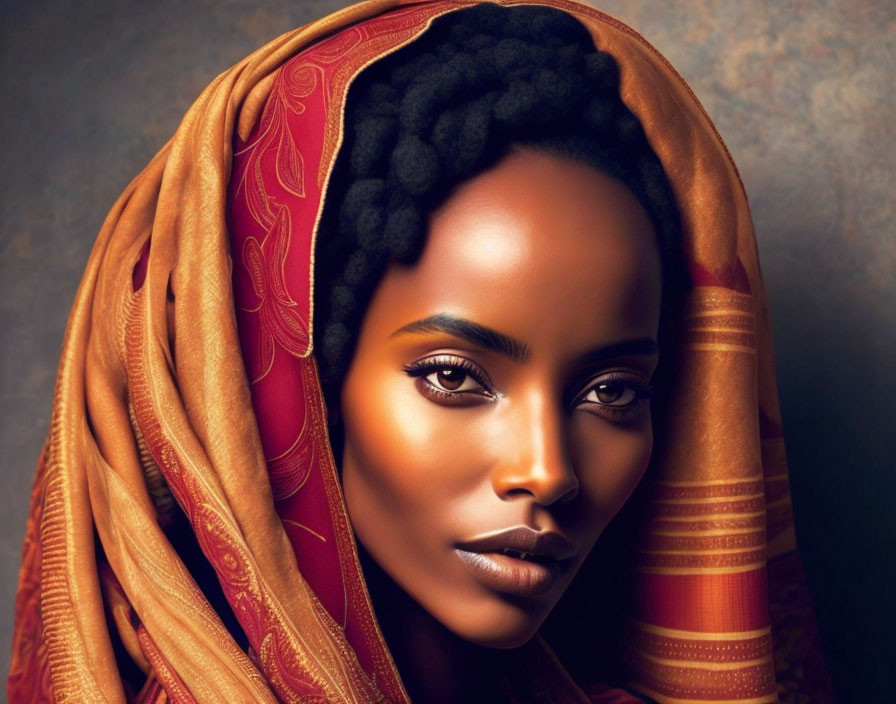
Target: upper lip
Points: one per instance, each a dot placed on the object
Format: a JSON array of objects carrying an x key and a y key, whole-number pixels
[{"x": 545, "y": 544}]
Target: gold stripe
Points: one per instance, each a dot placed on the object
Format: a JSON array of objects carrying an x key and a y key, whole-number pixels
[
  {"x": 711, "y": 499},
  {"x": 701, "y": 570},
  {"x": 708, "y": 482},
  {"x": 714, "y": 293},
  {"x": 719, "y": 328},
  {"x": 697, "y": 665},
  {"x": 725, "y": 542},
  {"x": 724, "y": 320},
  {"x": 701, "y": 635},
  {"x": 714, "y": 531},
  {"x": 719, "y": 347},
  {"x": 729, "y": 551},
  {"x": 741, "y": 312},
  {"x": 779, "y": 502},
  {"x": 713, "y": 516},
  {"x": 663, "y": 699}
]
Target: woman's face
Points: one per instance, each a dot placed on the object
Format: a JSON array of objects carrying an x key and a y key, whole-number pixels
[{"x": 496, "y": 414}]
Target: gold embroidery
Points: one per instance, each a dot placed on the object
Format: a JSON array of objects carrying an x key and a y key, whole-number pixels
[
  {"x": 663, "y": 699},
  {"x": 700, "y": 570},
  {"x": 701, "y": 635},
  {"x": 707, "y": 500},
  {"x": 700, "y": 483},
  {"x": 305, "y": 528},
  {"x": 711, "y": 666}
]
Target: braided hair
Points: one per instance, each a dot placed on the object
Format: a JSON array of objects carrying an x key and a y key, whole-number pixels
[{"x": 441, "y": 110}]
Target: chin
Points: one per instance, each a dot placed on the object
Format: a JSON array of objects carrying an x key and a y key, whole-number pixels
[{"x": 503, "y": 625}]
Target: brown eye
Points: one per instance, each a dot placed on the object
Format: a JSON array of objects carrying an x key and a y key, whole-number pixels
[
  {"x": 609, "y": 393},
  {"x": 453, "y": 379},
  {"x": 450, "y": 379},
  {"x": 615, "y": 393}
]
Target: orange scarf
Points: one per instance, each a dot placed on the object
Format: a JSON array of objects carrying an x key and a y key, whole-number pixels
[{"x": 165, "y": 395}]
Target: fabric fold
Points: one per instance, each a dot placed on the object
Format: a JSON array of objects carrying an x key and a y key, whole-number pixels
[{"x": 187, "y": 383}]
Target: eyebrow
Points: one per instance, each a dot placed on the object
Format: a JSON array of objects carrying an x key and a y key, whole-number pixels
[
  {"x": 479, "y": 335},
  {"x": 494, "y": 341}
]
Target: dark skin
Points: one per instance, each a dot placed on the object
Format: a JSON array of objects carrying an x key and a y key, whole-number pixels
[
  {"x": 436, "y": 665},
  {"x": 499, "y": 382}
]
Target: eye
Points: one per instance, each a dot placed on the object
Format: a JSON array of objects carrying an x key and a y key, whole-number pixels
[
  {"x": 611, "y": 393},
  {"x": 451, "y": 378},
  {"x": 619, "y": 396}
]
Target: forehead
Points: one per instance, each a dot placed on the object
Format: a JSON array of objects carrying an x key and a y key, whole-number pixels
[{"x": 539, "y": 247}]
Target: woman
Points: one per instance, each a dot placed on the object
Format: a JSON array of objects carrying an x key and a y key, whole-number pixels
[{"x": 197, "y": 445}]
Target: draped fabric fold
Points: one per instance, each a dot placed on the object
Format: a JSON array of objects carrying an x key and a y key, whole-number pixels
[{"x": 187, "y": 396}]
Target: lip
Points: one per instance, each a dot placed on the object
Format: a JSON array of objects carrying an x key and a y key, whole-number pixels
[
  {"x": 549, "y": 557},
  {"x": 545, "y": 544}
]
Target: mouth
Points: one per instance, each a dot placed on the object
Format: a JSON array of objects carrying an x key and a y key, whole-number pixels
[
  {"x": 524, "y": 555},
  {"x": 518, "y": 561}
]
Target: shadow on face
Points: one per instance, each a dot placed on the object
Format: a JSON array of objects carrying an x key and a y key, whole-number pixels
[{"x": 496, "y": 409}]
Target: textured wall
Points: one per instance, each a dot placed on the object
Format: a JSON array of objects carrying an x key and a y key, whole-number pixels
[{"x": 801, "y": 91}]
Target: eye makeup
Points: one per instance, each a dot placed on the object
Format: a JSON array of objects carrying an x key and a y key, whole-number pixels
[
  {"x": 451, "y": 379},
  {"x": 443, "y": 378},
  {"x": 616, "y": 395}
]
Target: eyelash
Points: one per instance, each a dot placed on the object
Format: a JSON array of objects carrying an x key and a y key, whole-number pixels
[
  {"x": 422, "y": 368},
  {"x": 629, "y": 411},
  {"x": 431, "y": 365}
]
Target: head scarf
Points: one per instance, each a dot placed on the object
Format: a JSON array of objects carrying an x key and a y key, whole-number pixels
[{"x": 187, "y": 375}]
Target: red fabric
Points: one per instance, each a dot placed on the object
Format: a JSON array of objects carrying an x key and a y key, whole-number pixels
[
  {"x": 718, "y": 505},
  {"x": 702, "y": 602},
  {"x": 278, "y": 180}
]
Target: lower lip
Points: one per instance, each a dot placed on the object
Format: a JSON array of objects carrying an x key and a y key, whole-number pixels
[{"x": 510, "y": 575}]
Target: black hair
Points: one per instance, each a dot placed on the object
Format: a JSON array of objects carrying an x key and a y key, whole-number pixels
[{"x": 441, "y": 110}]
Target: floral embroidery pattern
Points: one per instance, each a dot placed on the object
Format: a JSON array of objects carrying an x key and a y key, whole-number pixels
[{"x": 280, "y": 317}]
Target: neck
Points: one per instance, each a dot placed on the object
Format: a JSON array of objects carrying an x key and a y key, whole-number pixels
[{"x": 435, "y": 665}]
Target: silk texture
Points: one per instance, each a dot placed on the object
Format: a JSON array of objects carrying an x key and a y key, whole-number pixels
[{"x": 187, "y": 386}]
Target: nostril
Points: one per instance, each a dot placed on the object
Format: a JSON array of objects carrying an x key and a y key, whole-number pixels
[
  {"x": 544, "y": 490},
  {"x": 519, "y": 490}
]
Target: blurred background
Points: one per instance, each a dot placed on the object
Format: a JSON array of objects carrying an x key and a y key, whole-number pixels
[{"x": 802, "y": 92}]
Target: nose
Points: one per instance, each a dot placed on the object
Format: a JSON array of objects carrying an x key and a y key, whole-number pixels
[{"x": 534, "y": 459}]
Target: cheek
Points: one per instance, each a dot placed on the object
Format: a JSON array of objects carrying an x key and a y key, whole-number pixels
[
  {"x": 380, "y": 438},
  {"x": 404, "y": 450},
  {"x": 610, "y": 461}
]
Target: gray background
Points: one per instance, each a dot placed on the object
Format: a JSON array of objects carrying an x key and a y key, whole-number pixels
[{"x": 802, "y": 92}]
